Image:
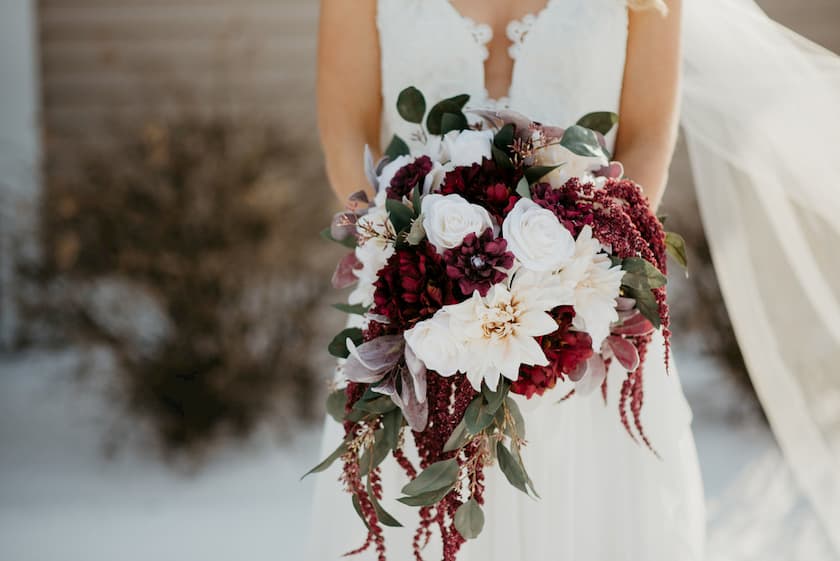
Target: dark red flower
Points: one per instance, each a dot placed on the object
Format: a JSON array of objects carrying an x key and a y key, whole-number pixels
[
  {"x": 572, "y": 203},
  {"x": 407, "y": 177},
  {"x": 412, "y": 286},
  {"x": 565, "y": 350},
  {"x": 485, "y": 184},
  {"x": 476, "y": 264}
]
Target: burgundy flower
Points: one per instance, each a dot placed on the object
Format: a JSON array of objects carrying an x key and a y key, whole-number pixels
[
  {"x": 485, "y": 184},
  {"x": 478, "y": 262},
  {"x": 407, "y": 177},
  {"x": 412, "y": 286},
  {"x": 565, "y": 350}
]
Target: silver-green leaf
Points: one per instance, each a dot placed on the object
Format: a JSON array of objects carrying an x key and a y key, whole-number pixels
[{"x": 469, "y": 519}]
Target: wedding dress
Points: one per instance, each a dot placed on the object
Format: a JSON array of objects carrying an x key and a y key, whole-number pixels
[{"x": 603, "y": 496}]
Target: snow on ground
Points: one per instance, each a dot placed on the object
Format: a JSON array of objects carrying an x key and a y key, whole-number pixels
[{"x": 61, "y": 499}]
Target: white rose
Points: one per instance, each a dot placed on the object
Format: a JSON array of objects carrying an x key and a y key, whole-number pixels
[
  {"x": 448, "y": 219},
  {"x": 537, "y": 238},
  {"x": 465, "y": 148},
  {"x": 573, "y": 165},
  {"x": 435, "y": 345}
]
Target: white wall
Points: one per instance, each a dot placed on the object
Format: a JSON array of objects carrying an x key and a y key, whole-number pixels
[{"x": 19, "y": 142}]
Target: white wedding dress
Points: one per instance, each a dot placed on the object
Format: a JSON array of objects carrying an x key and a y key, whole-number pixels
[{"x": 603, "y": 496}]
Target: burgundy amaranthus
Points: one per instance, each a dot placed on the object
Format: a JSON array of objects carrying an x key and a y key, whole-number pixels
[{"x": 479, "y": 262}]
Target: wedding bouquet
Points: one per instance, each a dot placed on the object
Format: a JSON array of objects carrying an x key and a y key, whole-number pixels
[{"x": 501, "y": 258}]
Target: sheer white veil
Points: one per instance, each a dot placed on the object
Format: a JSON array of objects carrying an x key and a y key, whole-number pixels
[{"x": 761, "y": 116}]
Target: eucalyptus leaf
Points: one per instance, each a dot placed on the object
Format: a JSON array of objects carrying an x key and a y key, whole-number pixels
[
  {"x": 518, "y": 456},
  {"x": 501, "y": 158},
  {"x": 411, "y": 105},
  {"x": 675, "y": 246},
  {"x": 338, "y": 346},
  {"x": 503, "y": 139},
  {"x": 523, "y": 188},
  {"x": 396, "y": 148},
  {"x": 640, "y": 274},
  {"x": 440, "y": 475},
  {"x": 511, "y": 468},
  {"x": 518, "y": 419},
  {"x": 391, "y": 425},
  {"x": 535, "y": 173},
  {"x": 581, "y": 141},
  {"x": 336, "y": 404},
  {"x": 399, "y": 214},
  {"x": 328, "y": 461},
  {"x": 469, "y": 519},
  {"x": 645, "y": 303},
  {"x": 426, "y": 499},
  {"x": 600, "y": 121},
  {"x": 376, "y": 454},
  {"x": 357, "y": 506},
  {"x": 349, "y": 241},
  {"x": 356, "y": 309},
  {"x": 434, "y": 120},
  {"x": 381, "y": 514},
  {"x": 458, "y": 438},
  {"x": 453, "y": 122},
  {"x": 379, "y": 405},
  {"x": 493, "y": 400},
  {"x": 476, "y": 416}
]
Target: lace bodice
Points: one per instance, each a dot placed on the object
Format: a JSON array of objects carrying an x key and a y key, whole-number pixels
[{"x": 568, "y": 58}]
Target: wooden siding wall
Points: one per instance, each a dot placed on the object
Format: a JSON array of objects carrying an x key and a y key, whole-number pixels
[{"x": 127, "y": 59}]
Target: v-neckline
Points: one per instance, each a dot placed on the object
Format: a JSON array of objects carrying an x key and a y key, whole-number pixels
[{"x": 516, "y": 30}]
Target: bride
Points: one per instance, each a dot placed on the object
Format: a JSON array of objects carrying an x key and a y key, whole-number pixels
[{"x": 603, "y": 497}]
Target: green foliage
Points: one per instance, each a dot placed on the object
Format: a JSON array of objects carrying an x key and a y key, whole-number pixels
[
  {"x": 600, "y": 121},
  {"x": 411, "y": 105},
  {"x": 469, "y": 519}
]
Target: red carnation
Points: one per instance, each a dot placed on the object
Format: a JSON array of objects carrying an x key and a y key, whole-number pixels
[
  {"x": 407, "y": 177},
  {"x": 565, "y": 350},
  {"x": 485, "y": 184},
  {"x": 571, "y": 203},
  {"x": 412, "y": 286},
  {"x": 478, "y": 263}
]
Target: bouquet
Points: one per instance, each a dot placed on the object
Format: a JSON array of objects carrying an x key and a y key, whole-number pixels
[{"x": 500, "y": 258}]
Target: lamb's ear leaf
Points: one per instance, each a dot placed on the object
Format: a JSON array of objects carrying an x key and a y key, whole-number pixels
[
  {"x": 396, "y": 148},
  {"x": 469, "y": 519},
  {"x": 328, "y": 461},
  {"x": 600, "y": 121},
  {"x": 411, "y": 105}
]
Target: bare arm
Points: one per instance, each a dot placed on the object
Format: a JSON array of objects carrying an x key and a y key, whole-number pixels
[
  {"x": 649, "y": 114},
  {"x": 349, "y": 98}
]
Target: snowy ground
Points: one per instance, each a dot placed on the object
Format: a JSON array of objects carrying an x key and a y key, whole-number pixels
[{"x": 61, "y": 499}]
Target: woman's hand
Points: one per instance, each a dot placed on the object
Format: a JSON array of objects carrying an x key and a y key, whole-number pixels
[
  {"x": 649, "y": 114},
  {"x": 349, "y": 91}
]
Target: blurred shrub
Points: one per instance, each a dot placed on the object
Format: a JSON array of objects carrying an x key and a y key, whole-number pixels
[{"x": 190, "y": 248}]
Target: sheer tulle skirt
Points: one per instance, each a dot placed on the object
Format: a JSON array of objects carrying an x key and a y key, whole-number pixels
[{"x": 603, "y": 496}]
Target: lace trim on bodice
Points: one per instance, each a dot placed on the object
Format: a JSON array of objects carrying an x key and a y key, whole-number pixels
[{"x": 516, "y": 31}]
